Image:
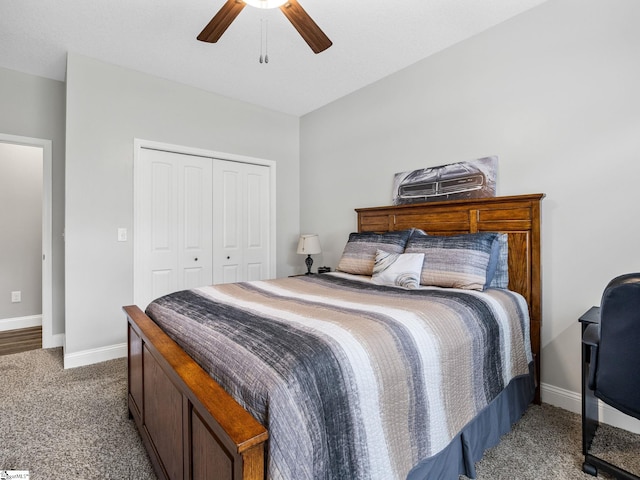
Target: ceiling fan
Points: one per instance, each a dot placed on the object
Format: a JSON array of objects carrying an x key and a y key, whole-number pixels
[{"x": 298, "y": 17}]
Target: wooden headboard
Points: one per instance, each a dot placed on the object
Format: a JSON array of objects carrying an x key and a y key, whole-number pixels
[{"x": 518, "y": 216}]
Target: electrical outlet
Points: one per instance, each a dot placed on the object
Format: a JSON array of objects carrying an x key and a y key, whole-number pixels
[{"x": 16, "y": 297}]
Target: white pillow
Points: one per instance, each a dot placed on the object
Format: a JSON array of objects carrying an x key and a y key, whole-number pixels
[{"x": 398, "y": 269}]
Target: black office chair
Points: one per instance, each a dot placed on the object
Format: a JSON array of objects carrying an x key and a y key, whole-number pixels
[{"x": 610, "y": 363}]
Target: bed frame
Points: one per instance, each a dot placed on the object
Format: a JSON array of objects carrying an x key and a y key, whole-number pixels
[{"x": 192, "y": 429}]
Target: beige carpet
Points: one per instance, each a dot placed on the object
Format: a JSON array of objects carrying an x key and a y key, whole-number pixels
[
  {"x": 67, "y": 424},
  {"x": 546, "y": 444},
  {"x": 73, "y": 424}
]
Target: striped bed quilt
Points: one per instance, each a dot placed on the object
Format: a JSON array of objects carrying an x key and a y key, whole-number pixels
[{"x": 352, "y": 380}]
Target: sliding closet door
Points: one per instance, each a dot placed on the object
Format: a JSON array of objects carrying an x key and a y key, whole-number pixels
[
  {"x": 173, "y": 224},
  {"x": 241, "y": 200},
  {"x": 199, "y": 221}
]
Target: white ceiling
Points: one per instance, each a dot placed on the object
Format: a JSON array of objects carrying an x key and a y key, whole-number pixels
[{"x": 371, "y": 39}]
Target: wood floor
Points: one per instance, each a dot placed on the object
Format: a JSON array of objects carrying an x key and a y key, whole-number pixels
[{"x": 15, "y": 341}]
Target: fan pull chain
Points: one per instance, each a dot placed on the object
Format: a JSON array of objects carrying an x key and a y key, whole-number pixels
[
  {"x": 264, "y": 30},
  {"x": 266, "y": 41}
]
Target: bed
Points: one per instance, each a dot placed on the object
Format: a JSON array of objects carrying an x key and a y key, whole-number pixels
[{"x": 193, "y": 428}]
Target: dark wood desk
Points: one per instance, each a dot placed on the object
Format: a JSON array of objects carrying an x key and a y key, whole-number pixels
[
  {"x": 589, "y": 401},
  {"x": 590, "y": 316}
]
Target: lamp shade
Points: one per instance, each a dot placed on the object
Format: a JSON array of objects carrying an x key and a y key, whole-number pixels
[{"x": 309, "y": 244}]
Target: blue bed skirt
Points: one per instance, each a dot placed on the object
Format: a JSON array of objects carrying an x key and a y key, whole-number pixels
[{"x": 482, "y": 433}]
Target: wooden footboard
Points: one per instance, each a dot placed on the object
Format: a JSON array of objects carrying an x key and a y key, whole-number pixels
[{"x": 190, "y": 426}]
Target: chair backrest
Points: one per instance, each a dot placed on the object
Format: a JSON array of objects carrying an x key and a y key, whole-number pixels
[{"x": 618, "y": 364}]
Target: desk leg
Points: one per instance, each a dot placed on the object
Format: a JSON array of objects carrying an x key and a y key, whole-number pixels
[{"x": 589, "y": 404}]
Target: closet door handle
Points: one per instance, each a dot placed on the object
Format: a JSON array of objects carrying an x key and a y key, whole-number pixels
[{"x": 195, "y": 259}]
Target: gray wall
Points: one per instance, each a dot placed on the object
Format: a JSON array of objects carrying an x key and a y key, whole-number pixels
[
  {"x": 35, "y": 107},
  {"x": 554, "y": 93},
  {"x": 21, "y": 239},
  {"x": 109, "y": 106}
]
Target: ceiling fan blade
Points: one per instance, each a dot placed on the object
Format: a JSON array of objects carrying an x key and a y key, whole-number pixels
[
  {"x": 306, "y": 27},
  {"x": 221, "y": 21}
]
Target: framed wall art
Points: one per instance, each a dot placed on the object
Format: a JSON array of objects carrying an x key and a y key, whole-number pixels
[{"x": 470, "y": 179}]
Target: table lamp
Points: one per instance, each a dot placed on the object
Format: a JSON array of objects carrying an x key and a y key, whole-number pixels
[{"x": 309, "y": 244}]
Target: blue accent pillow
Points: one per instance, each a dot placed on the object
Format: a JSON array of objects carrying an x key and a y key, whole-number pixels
[{"x": 501, "y": 275}]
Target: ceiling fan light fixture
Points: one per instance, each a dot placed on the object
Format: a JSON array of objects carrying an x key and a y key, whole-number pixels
[
  {"x": 297, "y": 16},
  {"x": 265, "y": 3}
]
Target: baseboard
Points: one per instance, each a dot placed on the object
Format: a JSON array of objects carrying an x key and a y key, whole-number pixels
[
  {"x": 572, "y": 401},
  {"x": 20, "y": 322},
  {"x": 96, "y": 355},
  {"x": 55, "y": 340}
]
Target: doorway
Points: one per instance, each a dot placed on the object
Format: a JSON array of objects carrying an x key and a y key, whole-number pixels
[{"x": 42, "y": 149}]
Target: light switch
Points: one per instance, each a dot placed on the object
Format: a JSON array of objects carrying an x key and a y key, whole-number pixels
[
  {"x": 16, "y": 297},
  {"x": 122, "y": 234}
]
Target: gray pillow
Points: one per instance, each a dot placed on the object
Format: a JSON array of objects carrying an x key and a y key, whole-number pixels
[
  {"x": 457, "y": 261},
  {"x": 359, "y": 253}
]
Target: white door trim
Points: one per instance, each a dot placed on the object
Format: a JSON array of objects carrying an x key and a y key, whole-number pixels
[
  {"x": 139, "y": 144},
  {"x": 49, "y": 340}
]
